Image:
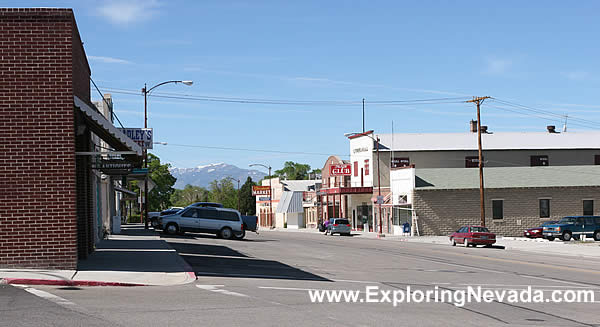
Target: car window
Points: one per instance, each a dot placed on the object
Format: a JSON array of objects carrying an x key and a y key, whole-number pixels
[
  {"x": 568, "y": 220},
  {"x": 597, "y": 220},
  {"x": 207, "y": 213},
  {"x": 580, "y": 221},
  {"x": 463, "y": 230},
  {"x": 191, "y": 212},
  {"x": 589, "y": 220},
  {"x": 342, "y": 221},
  {"x": 479, "y": 230},
  {"x": 228, "y": 215}
]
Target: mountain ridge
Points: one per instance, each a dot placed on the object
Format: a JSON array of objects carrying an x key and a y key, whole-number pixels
[{"x": 202, "y": 175}]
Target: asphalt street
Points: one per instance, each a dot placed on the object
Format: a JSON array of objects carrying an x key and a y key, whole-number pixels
[{"x": 264, "y": 281}]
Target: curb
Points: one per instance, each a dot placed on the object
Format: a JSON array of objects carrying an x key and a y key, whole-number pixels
[
  {"x": 54, "y": 282},
  {"x": 186, "y": 266}
]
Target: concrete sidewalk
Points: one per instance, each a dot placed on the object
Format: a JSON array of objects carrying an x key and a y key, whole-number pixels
[{"x": 136, "y": 257}]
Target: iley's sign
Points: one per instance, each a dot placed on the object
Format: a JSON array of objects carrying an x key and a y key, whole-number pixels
[
  {"x": 141, "y": 136},
  {"x": 340, "y": 170}
]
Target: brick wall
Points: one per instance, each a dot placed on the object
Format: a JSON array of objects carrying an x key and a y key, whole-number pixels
[
  {"x": 37, "y": 142},
  {"x": 442, "y": 212}
]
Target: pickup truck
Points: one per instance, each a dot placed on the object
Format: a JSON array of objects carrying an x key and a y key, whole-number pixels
[{"x": 573, "y": 227}]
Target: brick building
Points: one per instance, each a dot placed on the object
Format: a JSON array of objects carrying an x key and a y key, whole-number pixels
[{"x": 46, "y": 125}]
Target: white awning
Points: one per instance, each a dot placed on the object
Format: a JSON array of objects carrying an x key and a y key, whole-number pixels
[{"x": 105, "y": 129}]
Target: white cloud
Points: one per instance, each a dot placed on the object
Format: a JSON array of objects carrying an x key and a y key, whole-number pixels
[
  {"x": 109, "y": 60},
  {"x": 576, "y": 75},
  {"x": 130, "y": 11},
  {"x": 497, "y": 66}
]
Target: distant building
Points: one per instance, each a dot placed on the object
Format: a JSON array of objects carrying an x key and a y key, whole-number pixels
[{"x": 405, "y": 159}]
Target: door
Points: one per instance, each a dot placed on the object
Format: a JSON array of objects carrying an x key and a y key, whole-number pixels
[
  {"x": 189, "y": 220},
  {"x": 578, "y": 226},
  {"x": 208, "y": 219},
  {"x": 589, "y": 226}
]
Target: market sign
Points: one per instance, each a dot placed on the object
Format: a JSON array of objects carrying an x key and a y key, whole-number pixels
[
  {"x": 261, "y": 190},
  {"x": 340, "y": 170},
  {"x": 141, "y": 136},
  {"x": 113, "y": 166}
]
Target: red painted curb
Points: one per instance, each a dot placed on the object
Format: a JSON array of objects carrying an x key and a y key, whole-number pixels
[{"x": 28, "y": 281}]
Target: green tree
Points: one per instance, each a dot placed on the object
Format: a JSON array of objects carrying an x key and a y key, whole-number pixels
[
  {"x": 247, "y": 201},
  {"x": 189, "y": 195},
  {"x": 223, "y": 192},
  {"x": 293, "y": 170},
  {"x": 159, "y": 197}
]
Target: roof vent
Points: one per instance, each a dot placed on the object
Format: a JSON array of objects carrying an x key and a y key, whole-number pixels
[
  {"x": 473, "y": 126},
  {"x": 551, "y": 129}
]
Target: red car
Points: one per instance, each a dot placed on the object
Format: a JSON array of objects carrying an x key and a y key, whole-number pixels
[
  {"x": 537, "y": 231},
  {"x": 473, "y": 236}
]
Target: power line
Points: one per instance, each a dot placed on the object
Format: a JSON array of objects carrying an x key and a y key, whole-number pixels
[{"x": 254, "y": 150}]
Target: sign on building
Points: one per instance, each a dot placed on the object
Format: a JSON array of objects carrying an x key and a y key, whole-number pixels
[
  {"x": 261, "y": 190},
  {"x": 112, "y": 166},
  {"x": 141, "y": 136},
  {"x": 340, "y": 170}
]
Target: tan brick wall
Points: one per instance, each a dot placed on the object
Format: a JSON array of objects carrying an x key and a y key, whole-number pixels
[{"x": 442, "y": 212}]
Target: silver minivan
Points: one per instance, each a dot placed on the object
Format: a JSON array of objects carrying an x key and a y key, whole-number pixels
[{"x": 224, "y": 222}]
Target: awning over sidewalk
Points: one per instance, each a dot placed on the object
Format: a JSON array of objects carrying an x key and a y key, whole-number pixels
[
  {"x": 105, "y": 129},
  {"x": 125, "y": 191}
]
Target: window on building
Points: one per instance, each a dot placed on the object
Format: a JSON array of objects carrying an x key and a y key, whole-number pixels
[
  {"x": 539, "y": 161},
  {"x": 597, "y": 159},
  {"x": 400, "y": 162},
  {"x": 366, "y": 167},
  {"x": 472, "y": 162},
  {"x": 544, "y": 208},
  {"x": 498, "y": 209},
  {"x": 588, "y": 207},
  {"x": 355, "y": 168}
]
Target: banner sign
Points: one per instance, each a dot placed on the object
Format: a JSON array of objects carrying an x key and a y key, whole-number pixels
[
  {"x": 261, "y": 190},
  {"x": 113, "y": 166},
  {"x": 141, "y": 136},
  {"x": 340, "y": 170}
]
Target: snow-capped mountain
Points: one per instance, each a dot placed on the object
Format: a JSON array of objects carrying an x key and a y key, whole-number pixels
[{"x": 203, "y": 175}]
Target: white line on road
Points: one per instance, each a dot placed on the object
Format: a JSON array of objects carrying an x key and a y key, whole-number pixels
[
  {"x": 355, "y": 281},
  {"x": 214, "y": 288},
  {"x": 287, "y": 288},
  {"x": 51, "y": 297}
]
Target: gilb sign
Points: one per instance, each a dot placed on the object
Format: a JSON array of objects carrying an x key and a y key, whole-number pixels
[
  {"x": 261, "y": 190},
  {"x": 340, "y": 170}
]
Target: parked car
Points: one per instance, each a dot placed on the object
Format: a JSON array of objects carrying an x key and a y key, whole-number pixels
[
  {"x": 225, "y": 223},
  {"x": 537, "y": 232},
  {"x": 473, "y": 236},
  {"x": 339, "y": 226},
  {"x": 207, "y": 204},
  {"x": 573, "y": 227},
  {"x": 154, "y": 218}
]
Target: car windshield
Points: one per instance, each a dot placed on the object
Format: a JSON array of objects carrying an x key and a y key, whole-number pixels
[
  {"x": 568, "y": 220},
  {"x": 342, "y": 221},
  {"x": 549, "y": 223},
  {"x": 479, "y": 230}
]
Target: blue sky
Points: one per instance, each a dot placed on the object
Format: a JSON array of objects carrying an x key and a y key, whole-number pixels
[{"x": 540, "y": 54}]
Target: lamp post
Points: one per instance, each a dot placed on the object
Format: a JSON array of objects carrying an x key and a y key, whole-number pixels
[
  {"x": 270, "y": 191},
  {"x": 380, "y": 234},
  {"x": 146, "y": 91}
]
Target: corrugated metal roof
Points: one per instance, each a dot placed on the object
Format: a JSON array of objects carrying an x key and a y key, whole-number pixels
[
  {"x": 290, "y": 202},
  {"x": 495, "y": 141},
  {"x": 507, "y": 177}
]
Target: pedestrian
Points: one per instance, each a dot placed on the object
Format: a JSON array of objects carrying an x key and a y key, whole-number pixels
[{"x": 326, "y": 225}]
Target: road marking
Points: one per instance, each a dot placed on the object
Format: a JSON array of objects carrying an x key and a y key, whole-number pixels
[
  {"x": 51, "y": 297},
  {"x": 355, "y": 281},
  {"x": 214, "y": 288},
  {"x": 206, "y": 273}
]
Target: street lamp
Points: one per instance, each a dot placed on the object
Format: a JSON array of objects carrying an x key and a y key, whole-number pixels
[
  {"x": 270, "y": 190},
  {"x": 146, "y": 91},
  {"x": 378, "y": 180}
]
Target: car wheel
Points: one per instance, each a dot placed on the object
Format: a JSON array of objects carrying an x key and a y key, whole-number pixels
[
  {"x": 226, "y": 233},
  {"x": 597, "y": 235},
  {"x": 171, "y": 229},
  {"x": 550, "y": 238},
  {"x": 240, "y": 235},
  {"x": 566, "y": 236}
]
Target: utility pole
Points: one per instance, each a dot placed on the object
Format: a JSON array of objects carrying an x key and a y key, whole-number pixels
[
  {"x": 478, "y": 101},
  {"x": 363, "y": 115}
]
